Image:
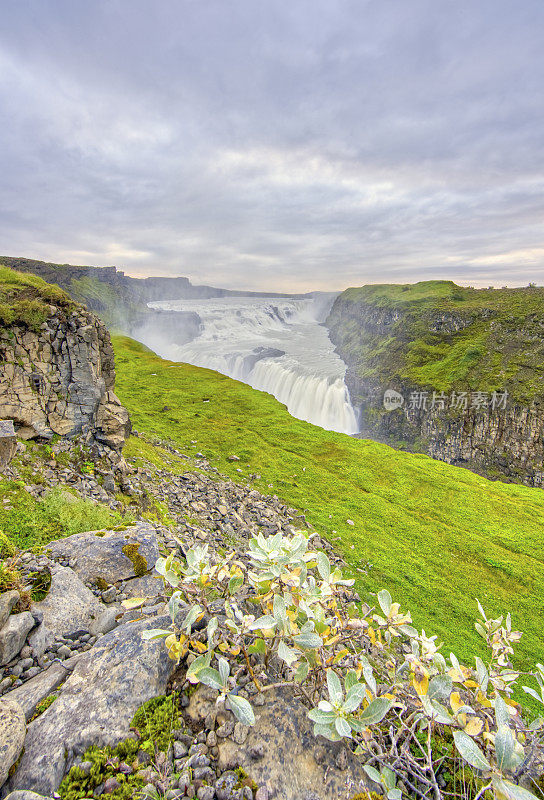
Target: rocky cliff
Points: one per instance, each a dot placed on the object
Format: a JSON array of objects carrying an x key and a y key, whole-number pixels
[
  {"x": 467, "y": 366},
  {"x": 57, "y": 365}
]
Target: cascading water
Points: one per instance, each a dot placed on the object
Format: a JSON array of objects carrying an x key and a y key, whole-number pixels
[{"x": 275, "y": 345}]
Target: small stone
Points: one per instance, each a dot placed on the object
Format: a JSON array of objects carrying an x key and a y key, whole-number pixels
[
  {"x": 109, "y": 595},
  {"x": 225, "y": 729},
  {"x": 206, "y": 793},
  {"x": 211, "y": 739},
  {"x": 110, "y": 785},
  {"x": 64, "y": 651},
  {"x": 180, "y": 750},
  {"x": 240, "y": 733},
  {"x": 13, "y": 635},
  {"x": 261, "y": 793}
]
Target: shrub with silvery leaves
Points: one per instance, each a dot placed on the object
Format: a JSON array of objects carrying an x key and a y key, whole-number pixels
[{"x": 282, "y": 617}]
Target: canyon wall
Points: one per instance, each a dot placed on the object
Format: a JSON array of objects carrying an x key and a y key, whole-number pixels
[
  {"x": 57, "y": 376},
  {"x": 439, "y": 354}
]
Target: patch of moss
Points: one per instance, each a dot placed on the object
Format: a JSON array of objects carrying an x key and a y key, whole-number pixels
[
  {"x": 43, "y": 705},
  {"x": 155, "y": 721},
  {"x": 139, "y": 562},
  {"x": 101, "y": 584},
  {"x": 7, "y": 548},
  {"x": 245, "y": 780}
]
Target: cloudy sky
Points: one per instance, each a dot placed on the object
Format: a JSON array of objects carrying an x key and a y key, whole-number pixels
[{"x": 276, "y": 144}]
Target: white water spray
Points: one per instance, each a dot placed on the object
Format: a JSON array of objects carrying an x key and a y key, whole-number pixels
[{"x": 275, "y": 345}]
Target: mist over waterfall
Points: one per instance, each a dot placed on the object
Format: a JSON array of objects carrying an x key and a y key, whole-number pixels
[{"x": 276, "y": 345}]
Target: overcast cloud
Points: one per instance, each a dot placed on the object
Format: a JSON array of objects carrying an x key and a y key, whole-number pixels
[{"x": 276, "y": 144}]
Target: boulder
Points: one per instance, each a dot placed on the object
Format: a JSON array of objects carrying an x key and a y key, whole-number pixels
[
  {"x": 112, "y": 425},
  {"x": 37, "y": 689},
  {"x": 146, "y": 586},
  {"x": 12, "y": 735},
  {"x": 69, "y": 605},
  {"x": 281, "y": 753},
  {"x": 13, "y": 635},
  {"x": 8, "y": 442},
  {"x": 23, "y": 795},
  {"x": 109, "y": 556},
  {"x": 7, "y": 602},
  {"x": 96, "y": 704}
]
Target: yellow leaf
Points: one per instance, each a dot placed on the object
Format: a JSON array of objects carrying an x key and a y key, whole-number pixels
[
  {"x": 133, "y": 602},
  {"x": 223, "y": 647},
  {"x": 470, "y": 684},
  {"x": 234, "y": 651},
  {"x": 462, "y": 718},
  {"x": 421, "y": 683},
  {"x": 482, "y": 699},
  {"x": 455, "y": 701},
  {"x": 474, "y": 726},
  {"x": 199, "y": 647},
  {"x": 371, "y": 635}
]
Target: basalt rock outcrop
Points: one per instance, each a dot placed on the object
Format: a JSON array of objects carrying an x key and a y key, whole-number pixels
[
  {"x": 58, "y": 376},
  {"x": 446, "y": 350}
]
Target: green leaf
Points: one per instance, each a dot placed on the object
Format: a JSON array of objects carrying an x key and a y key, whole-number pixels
[
  {"x": 501, "y": 712},
  {"x": 376, "y": 711},
  {"x": 263, "y": 623},
  {"x": 191, "y": 617},
  {"x": 155, "y": 633},
  {"x": 235, "y": 583},
  {"x": 258, "y": 646},
  {"x": 210, "y": 677},
  {"x": 470, "y": 751},
  {"x": 302, "y": 672},
  {"x": 321, "y": 717},
  {"x": 287, "y": 654},
  {"x": 482, "y": 674},
  {"x": 342, "y": 727},
  {"x": 354, "y": 697},
  {"x": 211, "y": 628},
  {"x": 309, "y": 640},
  {"x": 440, "y": 687},
  {"x": 533, "y": 693},
  {"x": 200, "y": 663},
  {"x": 510, "y": 791},
  {"x": 389, "y": 779},
  {"x": 505, "y": 749},
  {"x": 334, "y": 686},
  {"x": 384, "y": 599},
  {"x": 350, "y": 679},
  {"x": 323, "y": 566},
  {"x": 224, "y": 670},
  {"x": 373, "y": 774},
  {"x": 327, "y": 731},
  {"x": 241, "y": 708}
]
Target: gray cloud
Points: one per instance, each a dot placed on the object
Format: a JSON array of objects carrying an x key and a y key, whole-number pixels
[{"x": 274, "y": 145}]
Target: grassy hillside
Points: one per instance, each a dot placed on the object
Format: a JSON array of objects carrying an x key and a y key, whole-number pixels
[
  {"x": 25, "y": 299},
  {"x": 436, "y": 536},
  {"x": 443, "y": 336}
]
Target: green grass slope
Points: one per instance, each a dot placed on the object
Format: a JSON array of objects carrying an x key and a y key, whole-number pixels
[
  {"x": 499, "y": 343},
  {"x": 25, "y": 299},
  {"x": 436, "y": 536}
]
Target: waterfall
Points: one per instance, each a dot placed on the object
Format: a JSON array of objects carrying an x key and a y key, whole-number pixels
[{"x": 275, "y": 345}]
